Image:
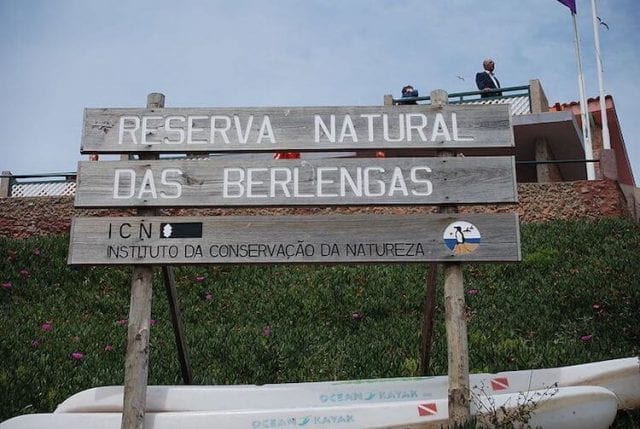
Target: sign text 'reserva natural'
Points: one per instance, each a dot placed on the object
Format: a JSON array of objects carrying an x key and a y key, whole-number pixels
[{"x": 196, "y": 130}]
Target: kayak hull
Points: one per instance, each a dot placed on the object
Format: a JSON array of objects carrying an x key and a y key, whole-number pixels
[
  {"x": 584, "y": 407},
  {"x": 621, "y": 376}
]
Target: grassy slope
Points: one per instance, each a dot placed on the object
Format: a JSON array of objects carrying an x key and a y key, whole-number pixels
[{"x": 573, "y": 299}]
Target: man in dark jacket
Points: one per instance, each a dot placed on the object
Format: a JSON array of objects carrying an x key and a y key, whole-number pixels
[{"x": 487, "y": 81}]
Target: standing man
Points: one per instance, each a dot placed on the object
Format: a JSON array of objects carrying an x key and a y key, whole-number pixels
[{"x": 487, "y": 81}]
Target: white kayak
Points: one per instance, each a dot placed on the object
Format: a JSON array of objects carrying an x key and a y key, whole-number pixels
[
  {"x": 584, "y": 407},
  {"x": 621, "y": 376}
]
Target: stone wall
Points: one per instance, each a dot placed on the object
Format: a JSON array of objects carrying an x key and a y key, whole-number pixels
[{"x": 538, "y": 202}]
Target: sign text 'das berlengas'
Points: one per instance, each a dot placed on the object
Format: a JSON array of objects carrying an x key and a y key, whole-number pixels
[
  {"x": 332, "y": 181},
  {"x": 266, "y": 129}
]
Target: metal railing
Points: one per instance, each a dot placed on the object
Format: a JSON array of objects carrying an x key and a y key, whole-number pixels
[
  {"x": 63, "y": 184},
  {"x": 519, "y": 97},
  {"x": 38, "y": 185}
]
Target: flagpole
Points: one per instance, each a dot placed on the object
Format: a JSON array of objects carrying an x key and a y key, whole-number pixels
[
  {"x": 606, "y": 142},
  {"x": 584, "y": 107}
]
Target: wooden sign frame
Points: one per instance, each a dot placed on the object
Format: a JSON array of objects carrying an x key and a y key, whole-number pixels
[{"x": 154, "y": 130}]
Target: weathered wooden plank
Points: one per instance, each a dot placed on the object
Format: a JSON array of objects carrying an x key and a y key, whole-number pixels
[
  {"x": 268, "y": 129},
  {"x": 294, "y": 239},
  {"x": 352, "y": 181}
]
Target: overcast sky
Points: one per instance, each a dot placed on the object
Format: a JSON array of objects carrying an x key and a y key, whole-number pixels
[{"x": 60, "y": 56}]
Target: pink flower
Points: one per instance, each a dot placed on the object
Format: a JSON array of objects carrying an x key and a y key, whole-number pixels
[
  {"x": 122, "y": 322},
  {"x": 37, "y": 252},
  {"x": 35, "y": 344},
  {"x": 108, "y": 348},
  {"x": 199, "y": 279},
  {"x": 356, "y": 315},
  {"x": 7, "y": 285},
  {"x": 77, "y": 355},
  {"x": 208, "y": 297},
  {"x": 47, "y": 326},
  {"x": 152, "y": 322},
  {"x": 596, "y": 307},
  {"x": 586, "y": 338},
  {"x": 267, "y": 331},
  {"x": 24, "y": 273},
  {"x": 472, "y": 292}
]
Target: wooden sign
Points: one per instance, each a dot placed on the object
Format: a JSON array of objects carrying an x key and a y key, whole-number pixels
[
  {"x": 335, "y": 181},
  {"x": 182, "y": 130},
  {"x": 295, "y": 239}
]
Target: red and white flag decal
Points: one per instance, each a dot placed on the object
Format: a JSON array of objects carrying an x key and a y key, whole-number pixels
[
  {"x": 500, "y": 383},
  {"x": 427, "y": 409}
]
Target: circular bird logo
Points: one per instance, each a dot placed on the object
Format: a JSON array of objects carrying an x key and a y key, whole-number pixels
[{"x": 461, "y": 237}]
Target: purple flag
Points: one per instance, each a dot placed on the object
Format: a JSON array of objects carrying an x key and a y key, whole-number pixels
[{"x": 571, "y": 4}]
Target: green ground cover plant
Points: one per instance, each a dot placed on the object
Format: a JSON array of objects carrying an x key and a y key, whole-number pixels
[{"x": 573, "y": 299}]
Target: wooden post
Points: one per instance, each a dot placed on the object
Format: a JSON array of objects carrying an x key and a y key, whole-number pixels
[
  {"x": 136, "y": 368},
  {"x": 428, "y": 319},
  {"x": 178, "y": 327},
  {"x": 457, "y": 346},
  {"x": 455, "y": 318}
]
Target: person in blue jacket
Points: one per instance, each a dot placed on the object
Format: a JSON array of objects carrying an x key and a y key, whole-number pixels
[{"x": 409, "y": 92}]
